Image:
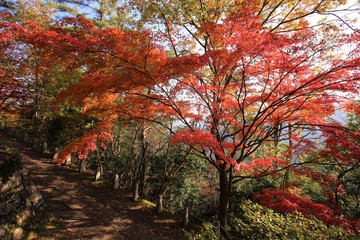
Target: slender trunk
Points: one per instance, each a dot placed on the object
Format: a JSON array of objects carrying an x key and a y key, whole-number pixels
[
  {"x": 82, "y": 167},
  {"x": 68, "y": 161},
  {"x": 224, "y": 197},
  {"x": 45, "y": 147},
  {"x": 136, "y": 192},
  {"x": 56, "y": 152},
  {"x": 116, "y": 182},
  {"x": 277, "y": 136},
  {"x": 218, "y": 230},
  {"x": 185, "y": 219},
  {"x": 144, "y": 160},
  {"x": 159, "y": 204},
  {"x": 286, "y": 174},
  {"x": 37, "y": 100},
  {"x": 99, "y": 172}
]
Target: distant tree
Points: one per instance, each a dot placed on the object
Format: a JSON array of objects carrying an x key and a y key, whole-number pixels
[
  {"x": 341, "y": 155},
  {"x": 104, "y": 13},
  {"x": 29, "y": 80}
]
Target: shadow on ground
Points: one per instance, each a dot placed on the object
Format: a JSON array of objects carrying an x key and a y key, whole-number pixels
[{"x": 81, "y": 209}]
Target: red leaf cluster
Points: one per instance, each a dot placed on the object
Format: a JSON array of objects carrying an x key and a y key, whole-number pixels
[
  {"x": 88, "y": 142},
  {"x": 343, "y": 147},
  {"x": 288, "y": 203}
]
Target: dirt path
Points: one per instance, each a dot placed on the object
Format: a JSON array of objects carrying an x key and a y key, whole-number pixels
[{"x": 83, "y": 210}]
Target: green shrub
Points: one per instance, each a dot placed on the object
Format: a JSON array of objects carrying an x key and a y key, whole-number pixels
[
  {"x": 207, "y": 232},
  {"x": 258, "y": 222}
]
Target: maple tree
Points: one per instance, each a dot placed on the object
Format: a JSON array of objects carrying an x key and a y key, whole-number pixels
[
  {"x": 261, "y": 70},
  {"x": 235, "y": 74},
  {"x": 31, "y": 77},
  {"x": 11, "y": 89},
  {"x": 251, "y": 76},
  {"x": 341, "y": 156}
]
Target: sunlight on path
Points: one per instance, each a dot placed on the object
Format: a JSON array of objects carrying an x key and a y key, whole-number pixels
[{"x": 81, "y": 210}]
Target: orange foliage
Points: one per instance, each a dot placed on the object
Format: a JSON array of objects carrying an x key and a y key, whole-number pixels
[{"x": 247, "y": 80}]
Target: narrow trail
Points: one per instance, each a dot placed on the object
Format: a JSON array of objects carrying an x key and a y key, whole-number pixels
[{"x": 83, "y": 210}]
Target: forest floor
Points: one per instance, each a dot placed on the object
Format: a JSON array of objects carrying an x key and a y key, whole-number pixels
[{"x": 79, "y": 208}]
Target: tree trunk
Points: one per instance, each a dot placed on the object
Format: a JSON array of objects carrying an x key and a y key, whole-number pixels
[
  {"x": 218, "y": 230},
  {"x": 68, "y": 161},
  {"x": 286, "y": 174},
  {"x": 224, "y": 197},
  {"x": 143, "y": 159},
  {"x": 56, "y": 155},
  {"x": 136, "y": 192},
  {"x": 159, "y": 204},
  {"x": 116, "y": 182},
  {"x": 277, "y": 136},
  {"x": 82, "y": 167},
  {"x": 185, "y": 219},
  {"x": 99, "y": 173},
  {"x": 45, "y": 147}
]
